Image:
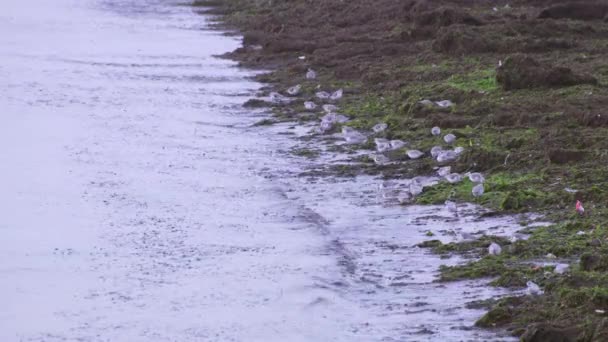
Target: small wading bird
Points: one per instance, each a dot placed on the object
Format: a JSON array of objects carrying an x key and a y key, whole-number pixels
[
  {"x": 452, "y": 207},
  {"x": 435, "y": 151},
  {"x": 379, "y": 127},
  {"x": 295, "y": 90},
  {"x": 579, "y": 208},
  {"x": 397, "y": 144},
  {"x": 310, "y": 105},
  {"x": 533, "y": 289},
  {"x": 336, "y": 95},
  {"x": 449, "y": 138},
  {"x": 477, "y": 190},
  {"x": 382, "y": 145},
  {"x": 435, "y": 131},
  {"x": 311, "y": 74},
  {"x": 414, "y": 154},
  {"x": 329, "y": 108},
  {"x": 494, "y": 249}
]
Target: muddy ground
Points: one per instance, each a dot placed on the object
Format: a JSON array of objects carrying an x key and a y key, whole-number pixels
[{"x": 528, "y": 81}]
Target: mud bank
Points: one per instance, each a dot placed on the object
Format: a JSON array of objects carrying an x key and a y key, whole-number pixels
[{"x": 526, "y": 81}]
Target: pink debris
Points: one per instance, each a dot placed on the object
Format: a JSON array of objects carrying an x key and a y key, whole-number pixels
[{"x": 579, "y": 208}]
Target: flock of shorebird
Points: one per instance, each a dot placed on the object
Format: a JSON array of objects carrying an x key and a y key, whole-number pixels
[
  {"x": 441, "y": 154},
  {"x": 415, "y": 187}
]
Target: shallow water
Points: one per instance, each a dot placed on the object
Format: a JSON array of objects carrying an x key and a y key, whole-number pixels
[{"x": 140, "y": 205}]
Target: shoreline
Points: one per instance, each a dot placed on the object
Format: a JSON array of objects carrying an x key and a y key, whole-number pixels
[{"x": 527, "y": 89}]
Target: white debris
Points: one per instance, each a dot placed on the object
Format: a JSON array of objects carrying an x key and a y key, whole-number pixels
[
  {"x": 476, "y": 177},
  {"x": 494, "y": 249},
  {"x": 533, "y": 289},
  {"x": 453, "y": 178},
  {"x": 379, "y": 127},
  {"x": 444, "y": 171},
  {"x": 309, "y": 105},
  {"x": 427, "y": 102},
  {"x": 382, "y": 145},
  {"x": 435, "y": 131},
  {"x": 570, "y": 190},
  {"x": 477, "y": 190},
  {"x": 449, "y": 138},
  {"x": 397, "y": 144},
  {"x": 601, "y": 312},
  {"x": 329, "y": 108},
  {"x": 435, "y": 150},
  {"x": 295, "y": 90},
  {"x": 323, "y": 95},
  {"x": 580, "y": 232},
  {"x": 561, "y": 268},
  {"x": 311, "y": 74},
  {"x": 444, "y": 103},
  {"x": 336, "y": 95},
  {"x": 414, "y": 154},
  {"x": 302, "y": 58},
  {"x": 550, "y": 256},
  {"x": 513, "y": 239}
]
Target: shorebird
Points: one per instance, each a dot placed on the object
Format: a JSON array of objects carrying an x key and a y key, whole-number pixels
[
  {"x": 453, "y": 178},
  {"x": 476, "y": 177},
  {"x": 444, "y": 171},
  {"x": 352, "y": 136},
  {"x": 329, "y": 108},
  {"x": 477, "y": 190},
  {"x": 381, "y": 159},
  {"x": 416, "y": 188},
  {"x": 414, "y": 154},
  {"x": 336, "y": 95},
  {"x": 452, "y": 207},
  {"x": 379, "y": 127},
  {"x": 435, "y": 150},
  {"x": 397, "y": 144},
  {"x": 404, "y": 197},
  {"x": 435, "y": 131},
  {"x": 494, "y": 249},
  {"x": 311, "y": 74},
  {"x": 533, "y": 289},
  {"x": 278, "y": 98},
  {"x": 382, "y": 145},
  {"x": 295, "y": 90},
  {"x": 310, "y": 105},
  {"x": 459, "y": 150},
  {"x": 323, "y": 95},
  {"x": 446, "y": 156},
  {"x": 449, "y": 138}
]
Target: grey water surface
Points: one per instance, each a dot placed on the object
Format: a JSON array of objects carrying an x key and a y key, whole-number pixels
[{"x": 140, "y": 204}]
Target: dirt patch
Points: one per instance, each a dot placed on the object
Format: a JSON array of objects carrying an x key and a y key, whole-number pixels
[
  {"x": 546, "y": 332},
  {"x": 524, "y": 72},
  {"x": 576, "y": 10}
]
